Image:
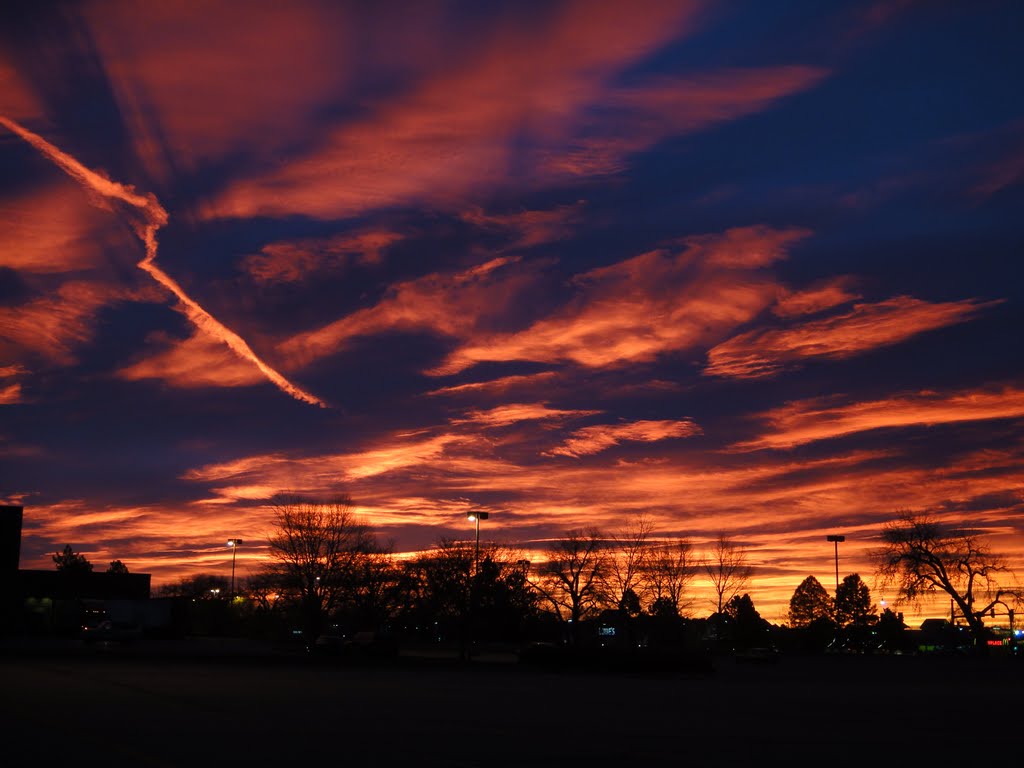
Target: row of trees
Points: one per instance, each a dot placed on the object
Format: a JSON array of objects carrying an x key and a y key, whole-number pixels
[
  {"x": 851, "y": 606},
  {"x": 327, "y": 567},
  {"x": 331, "y": 566},
  {"x": 919, "y": 557},
  {"x": 72, "y": 563}
]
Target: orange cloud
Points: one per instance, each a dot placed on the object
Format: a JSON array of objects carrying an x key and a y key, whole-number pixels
[
  {"x": 10, "y": 394},
  {"x": 631, "y": 120},
  {"x": 53, "y": 326},
  {"x": 497, "y": 386},
  {"x": 536, "y": 97},
  {"x": 512, "y": 413},
  {"x": 284, "y": 473},
  {"x": 168, "y": 542},
  {"x": 455, "y": 131},
  {"x": 153, "y": 218},
  {"x": 807, "y": 421},
  {"x": 15, "y": 98},
  {"x": 10, "y": 388},
  {"x": 530, "y": 227},
  {"x": 198, "y": 361},
  {"x": 200, "y": 86},
  {"x": 590, "y": 440},
  {"x": 93, "y": 181},
  {"x": 631, "y": 311},
  {"x": 292, "y": 262},
  {"x": 50, "y": 230},
  {"x": 867, "y": 326},
  {"x": 446, "y": 304},
  {"x": 741, "y": 247},
  {"x": 421, "y": 485},
  {"x": 648, "y": 305},
  {"x": 813, "y": 300}
]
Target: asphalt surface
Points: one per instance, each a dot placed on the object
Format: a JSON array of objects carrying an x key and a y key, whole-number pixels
[{"x": 225, "y": 707}]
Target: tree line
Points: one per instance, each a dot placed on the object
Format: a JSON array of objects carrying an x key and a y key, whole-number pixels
[{"x": 328, "y": 571}]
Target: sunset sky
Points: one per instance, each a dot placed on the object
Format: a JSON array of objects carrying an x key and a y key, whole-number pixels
[{"x": 745, "y": 268}]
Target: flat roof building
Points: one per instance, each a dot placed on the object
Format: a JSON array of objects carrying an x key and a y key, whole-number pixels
[{"x": 28, "y": 594}]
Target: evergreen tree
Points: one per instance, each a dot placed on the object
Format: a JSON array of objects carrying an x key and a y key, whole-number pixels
[
  {"x": 71, "y": 563},
  {"x": 853, "y": 606},
  {"x": 809, "y": 604}
]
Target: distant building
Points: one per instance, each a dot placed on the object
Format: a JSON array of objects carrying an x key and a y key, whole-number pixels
[{"x": 48, "y": 601}]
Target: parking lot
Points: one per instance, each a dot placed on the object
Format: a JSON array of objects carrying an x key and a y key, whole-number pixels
[{"x": 141, "y": 711}]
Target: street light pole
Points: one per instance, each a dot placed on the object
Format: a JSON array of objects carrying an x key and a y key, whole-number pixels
[
  {"x": 476, "y": 517},
  {"x": 836, "y": 539},
  {"x": 233, "y": 543}
]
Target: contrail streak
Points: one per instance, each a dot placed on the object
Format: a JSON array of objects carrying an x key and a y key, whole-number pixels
[{"x": 155, "y": 217}]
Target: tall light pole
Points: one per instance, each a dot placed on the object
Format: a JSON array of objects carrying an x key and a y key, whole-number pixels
[
  {"x": 476, "y": 517},
  {"x": 836, "y": 539},
  {"x": 234, "y": 544}
]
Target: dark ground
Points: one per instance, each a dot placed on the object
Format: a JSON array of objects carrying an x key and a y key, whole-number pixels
[{"x": 103, "y": 706}]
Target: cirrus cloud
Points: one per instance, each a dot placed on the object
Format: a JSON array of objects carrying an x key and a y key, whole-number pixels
[
  {"x": 648, "y": 305},
  {"x": 807, "y": 421},
  {"x": 867, "y": 326},
  {"x": 601, "y": 437}
]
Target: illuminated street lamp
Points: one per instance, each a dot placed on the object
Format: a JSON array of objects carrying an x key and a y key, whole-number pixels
[
  {"x": 234, "y": 544},
  {"x": 836, "y": 539},
  {"x": 476, "y": 517}
]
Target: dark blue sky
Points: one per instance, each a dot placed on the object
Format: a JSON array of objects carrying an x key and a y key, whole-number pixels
[{"x": 739, "y": 268}]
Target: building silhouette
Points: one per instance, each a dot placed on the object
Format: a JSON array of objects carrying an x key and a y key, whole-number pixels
[{"x": 52, "y": 601}]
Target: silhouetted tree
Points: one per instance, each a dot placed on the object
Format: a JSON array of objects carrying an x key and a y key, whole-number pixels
[
  {"x": 810, "y": 603},
  {"x": 202, "y": 586},
  {"x": 853, "y": 607},
  {"x": 891, "y": 631},
  {"x": 627, "y": 561},
  {"x": 261, "y": 589},
  {"x": 670, "y": 567},
  {"x": 572, "y": 581},
  {"x": 442, "y": 590},
  {"x": 665, "y": 624},
  {"x": 116, "y": 566},
  {"x": 315, "y": 548},
  {"x": 504, "y": 603},
  {"x": 663, "y": 608},
  {"x": 263, "y": 611},
  {"x": 921, "y": 556},
  {"x": 71, "y": 563},
  {"x": 630, "y": 604},
  {"x": 374, "y": 598},
  {"x": 746, "y": 627},
  {"x": 726, "y": 565},
  {"x": 436, "y": 588}
]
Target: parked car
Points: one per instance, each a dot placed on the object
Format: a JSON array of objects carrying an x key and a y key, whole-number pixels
[
  {"x": 109, "y": 631},
  {"x": 363, "y": 643}
]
